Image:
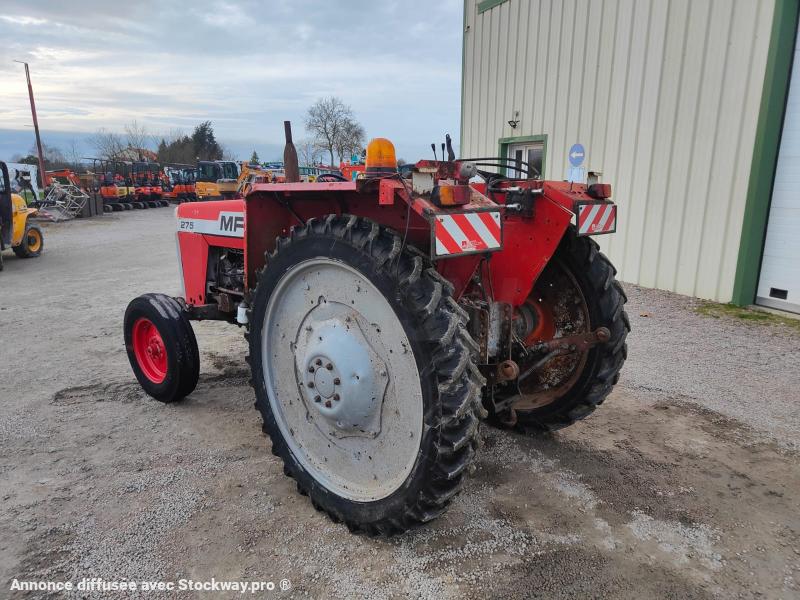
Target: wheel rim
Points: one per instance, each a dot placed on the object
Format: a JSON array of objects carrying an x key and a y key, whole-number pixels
[
  {"x": 560, "y": 309},
  {"x": 342, "y": 380},
  {"x": 34, "y": 240},
  {"x": 149, "y": 349}
]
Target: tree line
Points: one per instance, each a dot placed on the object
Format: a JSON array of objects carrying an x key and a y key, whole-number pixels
[{"x": 332, "y": 129}]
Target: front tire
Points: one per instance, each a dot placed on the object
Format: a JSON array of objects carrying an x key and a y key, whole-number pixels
[
  {"x": 335, "y": 290},
  {"x": 161, "y": 346},
  {"x": 32, "y": 242}
]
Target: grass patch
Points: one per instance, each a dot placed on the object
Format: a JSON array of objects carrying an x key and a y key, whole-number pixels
[{"x": 731, "y": 311}]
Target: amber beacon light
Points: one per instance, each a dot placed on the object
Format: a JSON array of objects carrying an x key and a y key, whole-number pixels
[{"x": 381, "y": 158}]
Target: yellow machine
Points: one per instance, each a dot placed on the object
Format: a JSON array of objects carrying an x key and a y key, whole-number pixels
[
  {"x": 16, "y": 231},
  {"x": 250, "y": 174},
  {"x": 216, "y": 179}
]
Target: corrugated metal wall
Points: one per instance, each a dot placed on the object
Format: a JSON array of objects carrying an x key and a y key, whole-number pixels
[{"x": 663, "y": 94}]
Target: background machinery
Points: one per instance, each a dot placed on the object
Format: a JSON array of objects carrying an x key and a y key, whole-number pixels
[
  {"x": 17, "y": 231},
  {"x": 216, "y": 179},
  {"x": 147, "y": 181},
  {"x": 251, "y": 174},
  {"x": 178, "y": 183},
  {"x": 387, "y": 315},
  {"x": 63, "y": 177}
]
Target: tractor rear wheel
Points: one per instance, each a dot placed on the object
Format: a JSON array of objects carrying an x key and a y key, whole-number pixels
[
  {"x": 161, "y": 346},
  {"x": 576, "y": 293},
  {"x": 363, "y": 374},
  {"x": 31, "y": 244}
]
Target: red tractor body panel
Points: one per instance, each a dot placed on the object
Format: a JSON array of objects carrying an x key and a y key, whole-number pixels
[
  {"x": 516, "y": 244},
  {"x": 201, "y": 226}
]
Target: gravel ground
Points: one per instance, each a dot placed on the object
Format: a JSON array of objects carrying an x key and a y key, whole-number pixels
[
  {"x": 749, "y": 372},
  {"x": 684, "y": 484}
]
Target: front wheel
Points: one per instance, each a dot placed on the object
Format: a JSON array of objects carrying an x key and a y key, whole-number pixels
[
  {"x": 363, "y": 374},
  {"x": 31, "y": 244},
  {"x": 161, "y": 347}
]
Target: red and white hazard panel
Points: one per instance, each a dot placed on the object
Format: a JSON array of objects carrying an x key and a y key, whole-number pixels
[
  {"x": 594, "y": 219},
  {"x": 467, "y": 233}
]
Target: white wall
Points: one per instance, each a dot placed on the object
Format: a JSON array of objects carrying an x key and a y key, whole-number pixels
[{"x": 663, "y": 94}]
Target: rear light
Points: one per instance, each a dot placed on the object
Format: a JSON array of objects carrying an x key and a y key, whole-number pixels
[
  {"x": 600, "y": 190},
  {"x": 450, "y": 195}
]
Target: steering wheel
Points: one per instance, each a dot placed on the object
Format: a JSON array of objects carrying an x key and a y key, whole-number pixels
[{"x": 331, "y": 177}]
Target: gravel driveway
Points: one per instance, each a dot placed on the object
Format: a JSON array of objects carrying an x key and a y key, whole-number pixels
[{"x": 684, "y": 484}]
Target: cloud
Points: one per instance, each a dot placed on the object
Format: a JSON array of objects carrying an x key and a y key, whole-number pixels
[
  {"x": 23, "y": 20},
  {"x": 246, "y": 65}
]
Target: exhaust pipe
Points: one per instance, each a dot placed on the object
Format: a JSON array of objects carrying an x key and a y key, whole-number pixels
[{"x": 290, "y": 167}]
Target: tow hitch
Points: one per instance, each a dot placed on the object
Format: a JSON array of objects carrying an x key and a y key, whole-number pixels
[{"x": 565, "y": 345}]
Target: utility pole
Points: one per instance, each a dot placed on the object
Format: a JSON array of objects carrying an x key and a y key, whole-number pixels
[{"x": 42, "y": 172}]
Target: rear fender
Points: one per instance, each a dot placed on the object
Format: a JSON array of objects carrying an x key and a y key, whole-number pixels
[
  {"x": 530, "y": 241},
  {"x": 272, "y": 215},
  {"x": 528, "y": 245},
  {"x": 593, "y": 216}
]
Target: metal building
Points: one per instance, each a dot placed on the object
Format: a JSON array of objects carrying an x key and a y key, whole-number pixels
[{"x": 679, "y": 103}]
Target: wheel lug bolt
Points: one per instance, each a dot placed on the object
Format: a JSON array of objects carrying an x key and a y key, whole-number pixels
[
  {"x": 317, "y": 399},
  {"x": 318, "y": 362},
  {"x": 327, "y": 403},
  {"x": 310, "y": 384},
  {"x": 336, "y": 381},
  {"x": 329, "y": 366},
  {"x": 336, "y": 397},
  {"x": 310, "y": 369}
]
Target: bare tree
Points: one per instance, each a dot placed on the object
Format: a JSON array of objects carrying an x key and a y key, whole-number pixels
[
  {"x": 330, "y": 121},
  {"x": 308, "y": 152},
  {"x": 227, "y": 153},
  {"x": 106, "y": 143},
  {"x": 53, "y": 156},
  {"x": 73, "y": 155},
  {"x": 136, "y": 135},
  {"x": 350, "y": 140}
]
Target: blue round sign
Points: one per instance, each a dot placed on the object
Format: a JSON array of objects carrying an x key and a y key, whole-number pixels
[{"x": 576, "y": 155}]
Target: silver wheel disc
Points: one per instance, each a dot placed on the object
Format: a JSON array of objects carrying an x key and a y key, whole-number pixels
[{"x": 342, "y": 380}]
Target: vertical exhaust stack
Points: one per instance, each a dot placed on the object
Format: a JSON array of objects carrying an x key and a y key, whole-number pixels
[{"x": 290, "y": 167}]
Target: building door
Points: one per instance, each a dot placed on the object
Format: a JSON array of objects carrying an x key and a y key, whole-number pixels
[
  {"x": 779, "y": 280},
  {"x": 531, "y": 153}
]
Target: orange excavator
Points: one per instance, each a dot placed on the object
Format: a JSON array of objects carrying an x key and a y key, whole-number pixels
[{"x": 177, "y": 184}]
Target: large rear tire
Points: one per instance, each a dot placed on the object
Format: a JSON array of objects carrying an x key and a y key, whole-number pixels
[
  {"x": 579, "y": 260},
  {"x": 161, "y": 346},
  {"x": 335, "y": 300}
]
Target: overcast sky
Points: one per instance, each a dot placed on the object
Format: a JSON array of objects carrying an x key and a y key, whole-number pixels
[{"x": 244, "y": 65}]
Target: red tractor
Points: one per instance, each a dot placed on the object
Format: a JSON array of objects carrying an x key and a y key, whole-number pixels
[{"x": 388, "y": 315}]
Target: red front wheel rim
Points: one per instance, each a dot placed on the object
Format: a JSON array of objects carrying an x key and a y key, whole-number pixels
[{"x": 149, "y": 349}]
